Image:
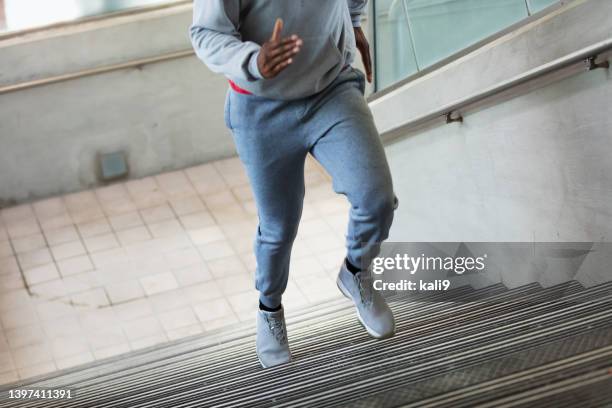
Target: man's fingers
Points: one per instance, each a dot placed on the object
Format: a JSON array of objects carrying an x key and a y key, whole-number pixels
[
  {"x": 278, "y": 28},
  {"x": 278, "y": 52},
  {"x": 285, "y": 45},
  {"x": 368, "y": 65},
  {"x": 366, "y": 58},
  {"x": 280, "y": 55},
  {"x": 277, "y": 69},
  {"x": 283, "y": 57}
]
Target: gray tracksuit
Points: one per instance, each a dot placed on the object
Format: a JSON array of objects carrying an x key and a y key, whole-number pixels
[{"x": 227, "y": 35}]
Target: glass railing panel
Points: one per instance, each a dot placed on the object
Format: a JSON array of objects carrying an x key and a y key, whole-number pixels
[
  {"x": 537, "y": 5},
  {"x": 394, "y": 48},
  {"x": 441, "y": 28}
]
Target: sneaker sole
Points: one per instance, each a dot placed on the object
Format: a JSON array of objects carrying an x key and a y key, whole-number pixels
[
  {"x": 370, "y": 331},
  {"x": 261, "y": 364},
  {"x": 265, "y": 366}
]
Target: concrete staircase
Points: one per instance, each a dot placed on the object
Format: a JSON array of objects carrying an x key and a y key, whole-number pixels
[{"x": 492, "y": 347}]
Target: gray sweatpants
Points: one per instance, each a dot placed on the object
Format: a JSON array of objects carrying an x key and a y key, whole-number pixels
[{"x": 273, "y": 139}]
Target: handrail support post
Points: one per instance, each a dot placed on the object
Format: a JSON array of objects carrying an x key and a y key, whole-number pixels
[
  {"x": 592, "y": 64},
  {"x": 451, "y": 119}
]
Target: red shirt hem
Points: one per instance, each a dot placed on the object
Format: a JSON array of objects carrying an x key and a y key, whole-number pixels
[{"x": 238, "y": 89}]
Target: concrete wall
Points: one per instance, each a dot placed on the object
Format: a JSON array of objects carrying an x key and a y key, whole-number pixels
[
  {"x": 537, "y": 167},
  {"x": 2, "y": 15},
  {"x": 165, "y": 115},
  {"x": 91, "y": 44}
]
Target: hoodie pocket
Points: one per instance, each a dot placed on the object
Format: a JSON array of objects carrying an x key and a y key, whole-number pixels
[
  {"x": 331, "y": 64},
  {"x": 334, "y": 48},
  {"x": 315, "y": 67}
]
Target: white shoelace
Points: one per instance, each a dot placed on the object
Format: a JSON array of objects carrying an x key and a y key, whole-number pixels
[
  {"x": 365, "y": 290},
  {"x": 277, "y": 327}
]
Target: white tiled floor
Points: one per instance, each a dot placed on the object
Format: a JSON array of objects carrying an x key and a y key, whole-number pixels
[{"x": 98, "y": 273}]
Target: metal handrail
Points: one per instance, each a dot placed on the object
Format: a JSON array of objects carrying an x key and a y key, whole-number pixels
[
  {"x": 450, "y": 113},
  {"x": 137, "y": 63},
  {"x": 588, "y": 54}
]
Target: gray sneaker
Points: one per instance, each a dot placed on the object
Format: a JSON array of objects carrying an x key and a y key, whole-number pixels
[
  {"x": 272, "y": 345},
  {"x": 372, "y": 309}
]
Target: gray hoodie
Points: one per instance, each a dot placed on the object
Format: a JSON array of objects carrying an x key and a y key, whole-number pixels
[{"x": 227, "y": 34}]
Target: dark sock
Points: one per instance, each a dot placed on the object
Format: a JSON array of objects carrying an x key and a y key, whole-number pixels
[
  {"x": 269, "y": 309},
  {"x": 352, "y": 268}
]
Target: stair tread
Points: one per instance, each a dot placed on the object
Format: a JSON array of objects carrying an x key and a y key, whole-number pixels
[
  {"x": 330, "y": 353},
  {"x": 468, "y": 386}
]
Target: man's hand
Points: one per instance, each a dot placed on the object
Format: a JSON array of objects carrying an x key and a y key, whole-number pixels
[
  {"x": 277, "y": 53},
  {"x": 364, "y": 49}
]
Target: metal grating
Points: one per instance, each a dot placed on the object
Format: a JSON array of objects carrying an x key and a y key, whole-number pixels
[{"x": 475, "y": 340}]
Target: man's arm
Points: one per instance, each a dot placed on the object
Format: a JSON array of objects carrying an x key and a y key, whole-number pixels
[
  {"x": 356, "y": 8},
  {"x": 217, "y": 41}
]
